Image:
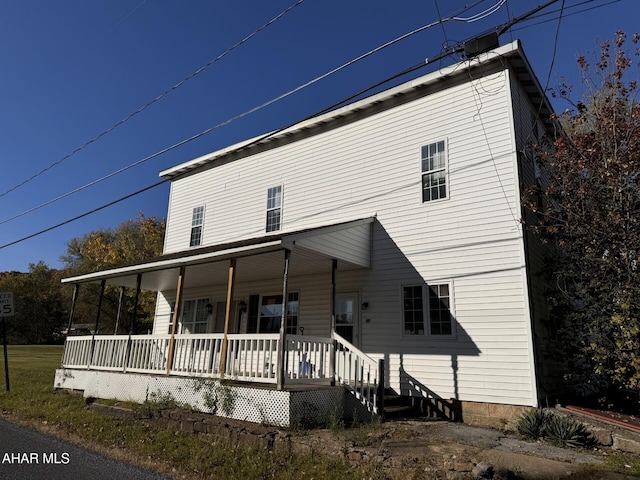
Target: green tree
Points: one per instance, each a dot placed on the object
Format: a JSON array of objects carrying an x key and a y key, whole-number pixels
[
  {"x": 129, "y": 242},
  {"x": 591, "y": 215},
  {"x": 39, "y": 304}
]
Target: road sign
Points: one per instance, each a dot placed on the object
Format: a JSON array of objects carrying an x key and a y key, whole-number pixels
[
  {"x": 6, "y": 304},
  {"x": 6, "y": 310}
]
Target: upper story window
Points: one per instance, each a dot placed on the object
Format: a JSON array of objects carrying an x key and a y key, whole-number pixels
[
  {"x": 197, "y": 220},
  {"x": 274, "y": 208},
  {"x": 434, "y": 310},
  {"x": 434, "y": 171}
]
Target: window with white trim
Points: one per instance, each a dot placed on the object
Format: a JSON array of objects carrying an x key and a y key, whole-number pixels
[
  {"x": 434, "y": 171},
  {"x": 271, "y": 313},
  {"x": 440, "y": 318},
  {"x": 413, "y": 309},
  {"x": 197, "y": 221},
  {"x": 434, "y": 310},
  {"x": 195, "y": 316},
  {"x": 274, "y": 208}
]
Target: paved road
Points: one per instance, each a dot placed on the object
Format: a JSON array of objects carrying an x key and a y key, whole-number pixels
[{"x": 29, "y": 455}]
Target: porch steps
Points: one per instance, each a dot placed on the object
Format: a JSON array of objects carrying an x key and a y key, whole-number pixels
[{"x": 398, "y": 407}]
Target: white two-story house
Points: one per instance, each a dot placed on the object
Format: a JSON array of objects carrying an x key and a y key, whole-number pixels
[{"x": 391, "y": 226}]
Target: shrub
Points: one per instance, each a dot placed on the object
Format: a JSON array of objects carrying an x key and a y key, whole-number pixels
[
  {"x": 532, "y": 423},
  {"x": 564, "y": 431},
  {"x": 567, "y": 432}
]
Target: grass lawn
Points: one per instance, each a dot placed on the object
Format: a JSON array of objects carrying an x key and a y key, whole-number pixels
[{"x": 33, "y": 401}]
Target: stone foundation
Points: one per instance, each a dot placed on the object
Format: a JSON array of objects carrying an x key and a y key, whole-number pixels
[{"x": 491, "y": 415}]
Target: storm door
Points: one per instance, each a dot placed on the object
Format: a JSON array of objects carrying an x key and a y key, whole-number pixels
[{"x": 348, "y": 317}]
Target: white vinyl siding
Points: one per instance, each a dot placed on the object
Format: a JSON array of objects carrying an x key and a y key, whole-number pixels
[{"x": 369, "y": 167}]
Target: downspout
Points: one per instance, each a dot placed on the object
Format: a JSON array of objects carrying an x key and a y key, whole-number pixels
[{"x": 282, "y": 348}]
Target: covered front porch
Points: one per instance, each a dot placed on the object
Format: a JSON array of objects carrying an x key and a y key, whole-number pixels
[{"x": 238, "y": 347}]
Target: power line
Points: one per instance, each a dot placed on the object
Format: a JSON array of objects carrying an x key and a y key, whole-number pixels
[
  {"x": 324, "y": 110},
  {"x": 452, "y": 17},
  {"x": 131, "y": 12},
  {"x": 90, "y": 212},
  {"x": 566, "y": 15},
  {"x": 151, "y": 102}
]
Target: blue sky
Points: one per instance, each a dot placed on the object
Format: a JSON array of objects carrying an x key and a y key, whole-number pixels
[{"x": 72, "y": 69}]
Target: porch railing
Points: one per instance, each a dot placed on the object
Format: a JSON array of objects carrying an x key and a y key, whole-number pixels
[
  {"x": 308, "y": 358},
  {"x": 360, "y": 374},
  {"x": 250, "y": 357}
]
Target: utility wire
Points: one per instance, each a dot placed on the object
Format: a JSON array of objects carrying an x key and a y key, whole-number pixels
[
  {"x": 454, "y": 16},
  {"x": 255, "y": 141},
  {"x": 565, "y": 15},
  {"x": 90, "y": 212},
  {"x": 156, "y": 99},
  {"x": 104, "y": 35}
]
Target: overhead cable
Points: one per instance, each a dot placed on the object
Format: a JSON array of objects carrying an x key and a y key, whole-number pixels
[
  {"x": 255, "y": 109},
  {"x": 151, "y": 102}
]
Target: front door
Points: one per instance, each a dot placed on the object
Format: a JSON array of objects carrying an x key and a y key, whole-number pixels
[{"x": 348, "y": 317}]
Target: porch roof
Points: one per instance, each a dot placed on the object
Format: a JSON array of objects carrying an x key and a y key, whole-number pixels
[{"x": 257, "y": 258}]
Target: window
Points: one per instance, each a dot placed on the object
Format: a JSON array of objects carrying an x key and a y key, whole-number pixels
[
  {"x": 434, "y": 172},
  {"x": 413, "y": 310},
  {"x": 195, "y": 316},
  {"x": 274, "y": 207},
  {"x": 197, "y": 219},
  {"x": 437, "y": 305},
  {"x": 271, "y": 314},
  {"x": 440, "y": 310}
]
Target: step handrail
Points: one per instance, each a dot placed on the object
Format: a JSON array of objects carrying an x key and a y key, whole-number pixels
[{"x": 360, "y": 374}]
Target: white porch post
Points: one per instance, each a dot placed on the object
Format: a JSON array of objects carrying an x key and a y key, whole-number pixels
[
  {"x": 227, "y": 314},
  {"x": 332, "y": 358},
  {"x": 282, "y": 348},
  {"x": 176, "y": 316}
]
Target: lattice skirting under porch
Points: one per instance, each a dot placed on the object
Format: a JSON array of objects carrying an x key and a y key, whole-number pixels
[{"x": 300, "y": 405}]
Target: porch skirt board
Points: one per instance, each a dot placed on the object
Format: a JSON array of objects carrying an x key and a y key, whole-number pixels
[{"x": 307, "y": 406}]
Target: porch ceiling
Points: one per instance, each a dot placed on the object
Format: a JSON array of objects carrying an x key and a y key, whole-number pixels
[{"x": 312, "y": 251}]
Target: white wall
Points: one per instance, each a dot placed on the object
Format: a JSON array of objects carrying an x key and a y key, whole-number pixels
[{"x": 473, "y": 239}]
